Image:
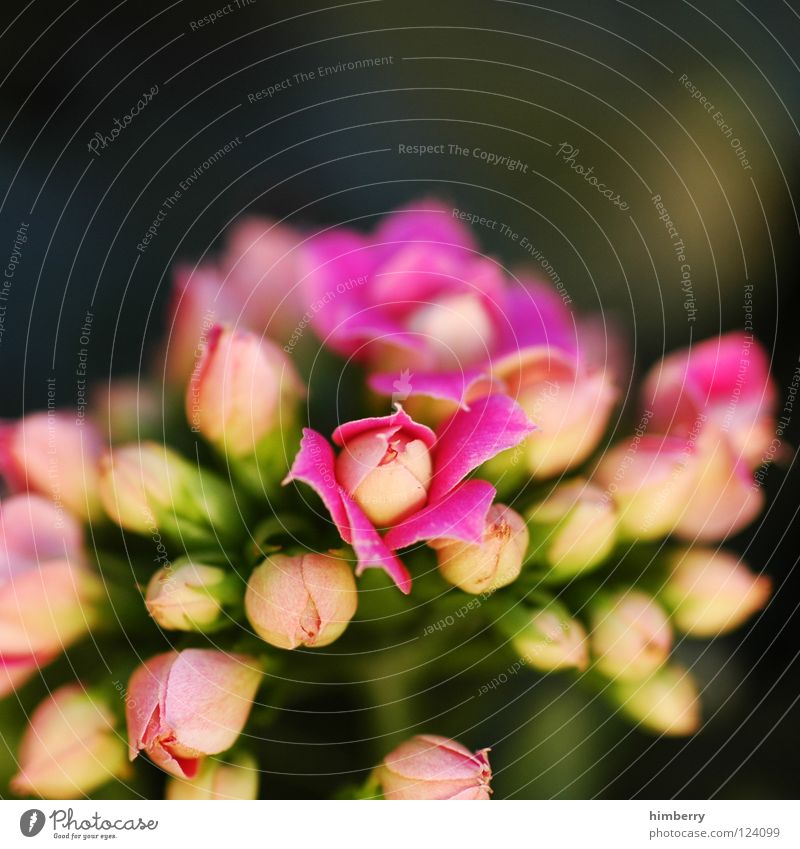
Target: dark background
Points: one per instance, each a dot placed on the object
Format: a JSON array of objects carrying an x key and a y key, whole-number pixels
[{"x": 504, "y": 76}]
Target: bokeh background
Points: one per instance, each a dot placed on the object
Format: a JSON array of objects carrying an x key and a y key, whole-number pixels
[{"x": 509, "y": 77}]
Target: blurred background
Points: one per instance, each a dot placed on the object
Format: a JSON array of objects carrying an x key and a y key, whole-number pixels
[{"x": 691, "y": 106}]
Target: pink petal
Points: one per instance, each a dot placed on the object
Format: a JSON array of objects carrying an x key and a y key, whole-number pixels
[
  {"x": 535, "y": 314},
  {"x": 461, "y": 514},
  {"x": 145, "y": 698},
  {"x": 371, "y": 550},
  {"x": 399, "y": 420},
  {"x": 470, "y": 437},
  {"x": 315, "y": 465},
  {"x": 427, "y": 220}
]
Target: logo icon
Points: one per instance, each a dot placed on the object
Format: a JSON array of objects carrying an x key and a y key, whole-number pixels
[{"x": 31, "y": 822}]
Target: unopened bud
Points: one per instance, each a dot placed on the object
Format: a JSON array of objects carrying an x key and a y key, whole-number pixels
[
  {"x": 301, "y": 600},
  {"x": 188, "y": 596},
  {"x": 711, "y": 592},
  {"x": 630, "y": 634},
  {"x": 233, "y": 777},
  {"x": 495, "y": 563},
  {"x": 573, "y": 529},
  {"x": 548, "y": 638},
  {"x": 665, "y": 702}
]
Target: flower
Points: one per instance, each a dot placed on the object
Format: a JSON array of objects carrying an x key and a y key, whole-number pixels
[
  {"x": 725, "y": 380},
  {"x": 188, "y": 596},
  {"x": 548, "y": 638},
  {"x": 495, "y": 562},
  {"x": 241, "y": 390},
  {"x": 574, "y": 529},
  {"x": 70, "y": 747},
  {"x": 416, "y": 293},
  {"x": 665, "y": 702},
  {"x": 711, "y": 592},
  {"x": 127, "y": 408},
  {"x": 235, "y": 777},
  {"x": 408, "y": 478},
  {"x": 432, "y": 767},
  {"x": 301, "y": 600},
  {"x": 53, "y": 454},
  {"x": 181, "y": 706},
  {"x": 630, "y": 634},
  {"x": 47, "y": 592}
]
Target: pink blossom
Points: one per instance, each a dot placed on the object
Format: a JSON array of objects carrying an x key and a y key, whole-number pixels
[
  {"x": 399, "y": 475},
  {"x": 181, "y": 706}
]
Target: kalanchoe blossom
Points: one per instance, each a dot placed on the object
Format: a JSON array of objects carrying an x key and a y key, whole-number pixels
[
  {"x": 402, "y": 476},
  {"x": 47, "y": 592},
  {"x": 432, "y": 767},
  {"x": 548, "y": 638},
  {"x": 181, "y": 706},
  {"x": 189, "y": 596},
  {"x": 70, "y": 747},
  {"x": 54, "y": 455},
  {"x": 229, "y": 777}
]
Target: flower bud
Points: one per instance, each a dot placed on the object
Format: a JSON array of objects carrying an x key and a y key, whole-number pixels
[
  {"x": 17, "y": 670},
  {"x": 549, "y": 639},
  {"x": 240, "y": 391},
  {"x": 495, "y": 563},
  {"x": 432, "y": 767},
  {"x": 569, "y": 405},
  {"x": 234, "y": 777},
  {"x": 56, "y": 455},
  {"x": 387, "y": 472},
  {"x": 301, "y": 600},
  {"x": 574, "y": 529},
  {"x": 651, "y": 480},
  {"x": 70, "y": 747},
  {"x": 146, "y": 487},
  {"x": 187, "y": 596},
  {"x": 665, "y": 702},
  {"x": 630, "y": 634},
  {"x": 126, "y": 409},
  {"x": 181, "y": 706},
  {"x": 711, "y": 592}
]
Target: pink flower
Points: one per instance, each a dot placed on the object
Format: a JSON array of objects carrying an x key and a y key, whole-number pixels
[
  {"x": 432, "y": 767},
  {"x": 46, "y": 589},
  {"x": 396, "y": 474},
  {"x": 724, "y": 380},
  {"x": 181, "y": 706},
  {"x": 416, "y": 293},
  {"x": 54, "y": 454}
]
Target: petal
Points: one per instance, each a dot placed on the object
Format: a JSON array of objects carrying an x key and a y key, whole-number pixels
[
  {"x": 371, "y": 550},
  {"x": 315, "y": 465},
  {"x": 535, "y": 314},
  {"x": 399, "y": 420},
  {"x": 461, "y": 514},
  {"x": 145, "y": 698},
  {"x": 470, "y": 437},
  {"x": 456, "y": 386}
]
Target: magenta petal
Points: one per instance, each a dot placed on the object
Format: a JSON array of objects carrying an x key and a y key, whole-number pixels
[
  {"x": 470, "y": 437},
  {"x": 371, "y": 550},
  {"x": 461, "y": 514},
  {"x": 533, "y": 315},
  {"x": 396, "y": 421},
  {"x": 314, "y": 465},
  {"x": 456, "y": 386}
]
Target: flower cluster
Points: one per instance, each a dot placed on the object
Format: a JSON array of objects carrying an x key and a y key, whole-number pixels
[{"x": 494, "y": 471}]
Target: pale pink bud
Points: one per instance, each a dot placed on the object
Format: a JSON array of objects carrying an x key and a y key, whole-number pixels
[
  {"x": 301, "y": 600},
  {"x": 630, "y": 634},
  {"x": 574, "y": 529},
  {"x": 236, "y": 392},
  {"x": 711, "y": 592},
  {"x": 569, "y": 405},
  {"x": 127, "y": 408},
  {"x": 187, "y": 596},
  {"x": 495, "y": 563},
  {"x": 650, "y": 479},
  {"x": 233, "y": 776},
  {"x": 550, "y": 640},
  {"x": 54, "y": 454},
  {"x": 432, "y": 767},
  {"x": 70, "y": 747},
  {"x": 387, "y": 472},
  {"x": 665, "y": 702},
  {"x": 181, "y": 706}
]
